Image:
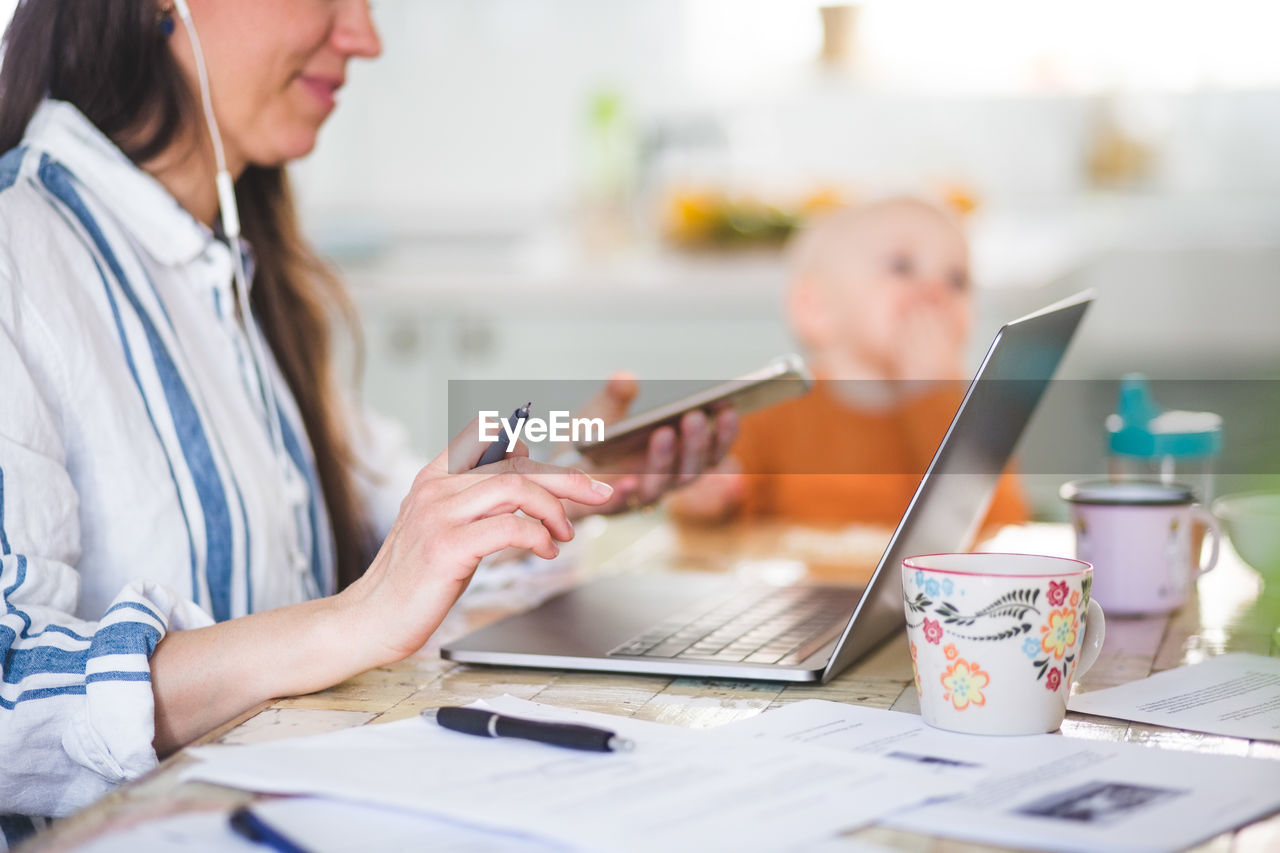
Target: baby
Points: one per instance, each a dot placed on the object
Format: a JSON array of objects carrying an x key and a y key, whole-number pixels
[{"x": 879, "y": 294}]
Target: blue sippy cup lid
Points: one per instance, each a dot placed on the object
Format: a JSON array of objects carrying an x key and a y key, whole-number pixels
[{"x": 1141, "y": 427}]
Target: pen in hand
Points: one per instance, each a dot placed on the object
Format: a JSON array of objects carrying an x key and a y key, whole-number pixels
[
  {"x": 498, "y": 448},
  {"x": 485, "y": 723}
]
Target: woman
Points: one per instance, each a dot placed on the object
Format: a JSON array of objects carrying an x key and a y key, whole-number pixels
[{"x": 186, "y": 526}]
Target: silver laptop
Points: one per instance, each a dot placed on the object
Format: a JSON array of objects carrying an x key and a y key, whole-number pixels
[{"x": 712, "y": 626}]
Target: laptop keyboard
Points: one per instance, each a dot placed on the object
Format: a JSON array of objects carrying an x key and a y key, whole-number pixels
[{"x": 760, "y": 625}]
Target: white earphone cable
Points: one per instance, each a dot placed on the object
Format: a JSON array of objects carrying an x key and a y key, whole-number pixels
[{"x": 295, "y": 491}]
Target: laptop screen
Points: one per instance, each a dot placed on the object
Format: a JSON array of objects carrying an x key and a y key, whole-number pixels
[{"x": 956, "y": 489}]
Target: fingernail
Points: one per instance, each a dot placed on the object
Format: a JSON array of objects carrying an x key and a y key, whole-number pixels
[{"x": 601, "y": 488}]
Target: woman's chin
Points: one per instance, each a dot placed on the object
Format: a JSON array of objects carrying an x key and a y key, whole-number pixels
[{"x": 291, "y": 146}]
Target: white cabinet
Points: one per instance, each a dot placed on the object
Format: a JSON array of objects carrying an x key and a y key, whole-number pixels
[{"x": 563, "y": 347}]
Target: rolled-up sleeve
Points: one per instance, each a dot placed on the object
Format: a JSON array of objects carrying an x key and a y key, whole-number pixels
[{"x": 77, "y": 713}]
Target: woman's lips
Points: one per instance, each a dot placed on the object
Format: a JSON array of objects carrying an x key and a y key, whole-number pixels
[{"x": 324, "y": 89}]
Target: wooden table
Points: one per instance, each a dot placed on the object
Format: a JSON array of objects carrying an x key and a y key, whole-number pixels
[{"x": 1229, "y": 614}]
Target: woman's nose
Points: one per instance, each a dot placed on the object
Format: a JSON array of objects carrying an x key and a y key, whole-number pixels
[{"x": 354, "y": 34}]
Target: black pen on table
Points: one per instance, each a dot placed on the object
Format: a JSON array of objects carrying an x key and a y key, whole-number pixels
[
  {"x": 248, "y": 825},
  {"x": 498, "y": 448},
  {"x": 486, "y": 723}
]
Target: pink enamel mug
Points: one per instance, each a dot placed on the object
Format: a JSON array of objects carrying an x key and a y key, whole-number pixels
[{"x": 1143, "y": 539}]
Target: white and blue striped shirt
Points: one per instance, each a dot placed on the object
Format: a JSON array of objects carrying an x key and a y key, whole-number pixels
[{"x": 139, "y": 488}]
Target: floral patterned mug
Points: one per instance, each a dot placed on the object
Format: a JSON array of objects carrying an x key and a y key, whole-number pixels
[{"x": 996, "y": 639}]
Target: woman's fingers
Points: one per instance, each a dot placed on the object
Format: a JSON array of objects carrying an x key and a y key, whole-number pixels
[
  {"x": 570, "y": 483},
  {"x": 695, "y": 445},
  {"x": 712, "y": 496},
  {"x": 659, "y": 465},
  {"x": 490, "y": 535},
  {"x": 507, "y": 492},
  {"x": 674, "y": 460},
  {"x": 726, "y": 430}
]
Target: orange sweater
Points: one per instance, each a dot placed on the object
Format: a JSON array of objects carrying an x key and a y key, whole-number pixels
[{"x": 788, "y": 452}]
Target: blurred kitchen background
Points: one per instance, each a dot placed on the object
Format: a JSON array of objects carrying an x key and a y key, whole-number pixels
[
  {"x": 557, "y": 189},
  {"x": 562, "y": 188}
]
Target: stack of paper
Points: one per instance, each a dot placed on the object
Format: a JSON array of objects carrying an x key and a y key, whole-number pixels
[
  {"x": 1236, "y": 694},
  {"x": 1046, "y": 792},
  {"x": 319, "y": 826},
  {"x": 679, "y": 789},
  {"x": 784, "y": 780}
]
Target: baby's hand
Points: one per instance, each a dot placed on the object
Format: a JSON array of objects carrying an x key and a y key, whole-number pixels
[
  {"x": 711, "y": 498},
  {"x": 930, "y": 345}
]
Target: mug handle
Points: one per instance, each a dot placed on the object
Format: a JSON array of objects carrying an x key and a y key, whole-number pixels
[
  {"x": 1095, "y": 632},
  {"x": 1215, "y": 531}
]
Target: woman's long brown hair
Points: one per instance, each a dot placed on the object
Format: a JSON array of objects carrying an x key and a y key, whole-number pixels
[{"x": 109, "y": 59}]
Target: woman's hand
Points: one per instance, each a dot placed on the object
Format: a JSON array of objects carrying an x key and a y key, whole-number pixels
[
  {"x": 205, "y": 676},
  {"x": 672, "y": 460},
  {"x": 447, "y": 523},
  {"x": 712, "y": 498}
]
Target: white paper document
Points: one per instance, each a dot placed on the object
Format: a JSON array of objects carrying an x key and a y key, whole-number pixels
[
  {"x": 1236, "y": 694},
  {"x": 1045, "y": 792},
  {"x": 680, "y": 789},
  {"x": 318, "y": 826}
]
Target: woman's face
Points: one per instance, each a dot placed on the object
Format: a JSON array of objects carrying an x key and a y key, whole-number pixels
[{"x": 275, "y": 67}]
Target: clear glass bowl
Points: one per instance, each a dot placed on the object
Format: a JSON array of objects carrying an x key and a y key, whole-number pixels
[{"x": 1252, "y": 520}]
